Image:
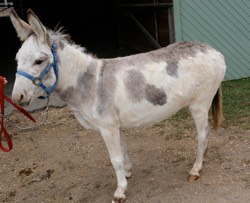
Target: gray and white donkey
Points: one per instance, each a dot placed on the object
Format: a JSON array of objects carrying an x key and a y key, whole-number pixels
[{"x": 108, "y": 94}]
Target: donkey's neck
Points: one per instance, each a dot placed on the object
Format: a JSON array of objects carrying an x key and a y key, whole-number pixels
[{"x": 73, "y": 63}]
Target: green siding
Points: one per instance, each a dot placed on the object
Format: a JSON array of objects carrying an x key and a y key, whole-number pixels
[{"x": 224, "y": 24}]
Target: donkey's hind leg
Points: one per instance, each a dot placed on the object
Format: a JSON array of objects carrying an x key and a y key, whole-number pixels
[{"x": 200, "y": 115}]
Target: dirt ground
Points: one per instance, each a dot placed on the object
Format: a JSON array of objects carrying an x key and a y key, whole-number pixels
[{"x": 61, "y": 162}]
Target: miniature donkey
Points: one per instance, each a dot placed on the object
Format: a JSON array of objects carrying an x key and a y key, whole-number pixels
[{"x": 108, "y": 94}]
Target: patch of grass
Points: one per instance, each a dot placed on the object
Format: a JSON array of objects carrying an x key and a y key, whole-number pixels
[
  {"x": 236, "y": 103},
  {"x": 159, "y": 125},
  {"x": 179, "y": 116}
]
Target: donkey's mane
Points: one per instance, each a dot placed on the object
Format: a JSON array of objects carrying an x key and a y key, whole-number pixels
[{"x": 60, "y": 35}]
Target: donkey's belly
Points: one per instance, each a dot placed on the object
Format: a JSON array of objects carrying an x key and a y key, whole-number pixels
[{"x": 139, "y": 115}]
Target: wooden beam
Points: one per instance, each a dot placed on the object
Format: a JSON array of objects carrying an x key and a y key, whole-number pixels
[{"x": 150, "y": 38}]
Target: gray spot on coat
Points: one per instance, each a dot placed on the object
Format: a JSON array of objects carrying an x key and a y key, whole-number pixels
[
  {"x": 137, "y": 89},
  {"x": 155, "y": 95},
  {"x": 135, "y": 84},
  {"x": 172, "y": 68},
  {"x": 85, "y": 89},
  {"x": 106, "y": 87}
]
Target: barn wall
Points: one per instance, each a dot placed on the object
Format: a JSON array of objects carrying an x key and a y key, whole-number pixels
[{"x": 222, "y": 23}]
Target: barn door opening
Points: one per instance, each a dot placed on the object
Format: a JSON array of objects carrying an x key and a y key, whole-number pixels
[{"x": 145, "y": 25}]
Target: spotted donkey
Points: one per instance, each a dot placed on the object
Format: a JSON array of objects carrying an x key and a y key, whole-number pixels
[{"x": 108, "y": 94}]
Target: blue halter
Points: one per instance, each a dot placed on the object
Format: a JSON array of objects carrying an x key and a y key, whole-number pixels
[{"x": 38, "y": 80}]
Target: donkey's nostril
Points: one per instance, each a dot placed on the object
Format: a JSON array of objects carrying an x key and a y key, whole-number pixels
[{"x": 21, "y": 98}]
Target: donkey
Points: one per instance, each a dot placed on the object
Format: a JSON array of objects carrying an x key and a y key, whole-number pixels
[{"x": 108, "y": 94}]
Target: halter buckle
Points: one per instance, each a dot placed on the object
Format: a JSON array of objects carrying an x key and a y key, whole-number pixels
[{"x": 37, "y": 81}]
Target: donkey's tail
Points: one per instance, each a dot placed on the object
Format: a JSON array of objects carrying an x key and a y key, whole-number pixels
[{"x": 217, "y": 109}]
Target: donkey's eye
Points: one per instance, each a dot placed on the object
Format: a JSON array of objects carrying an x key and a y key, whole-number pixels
[{"x": 38, "y": 62}]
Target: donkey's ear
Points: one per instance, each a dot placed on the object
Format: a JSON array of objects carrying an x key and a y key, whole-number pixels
[
  {"x": 23, "y": 29},
  {"x": 37, "y": 26}
]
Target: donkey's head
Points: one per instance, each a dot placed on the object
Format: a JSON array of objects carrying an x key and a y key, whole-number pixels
[{"x": 35, "y": 59}]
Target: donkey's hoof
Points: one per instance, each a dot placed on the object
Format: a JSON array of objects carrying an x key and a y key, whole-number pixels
[
  {"x": 192, "y": 178},
  {"x": 128, "y": 174},
  {"x": 119, "y": 197},
  {"x": 118, "y": 200}
]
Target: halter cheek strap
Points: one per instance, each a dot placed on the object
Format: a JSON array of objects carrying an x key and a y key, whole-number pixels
[{"x": 38, "y": 80}]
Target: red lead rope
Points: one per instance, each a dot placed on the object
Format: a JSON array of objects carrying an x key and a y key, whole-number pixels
[{"x": 3, "y": 130}]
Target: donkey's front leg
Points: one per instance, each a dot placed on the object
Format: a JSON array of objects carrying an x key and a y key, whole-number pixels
[
  {"x": 112, "y": 139},
  {"x": 127, "y": 161}
]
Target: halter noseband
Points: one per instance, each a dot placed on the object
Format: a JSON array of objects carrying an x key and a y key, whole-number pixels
[{"x": 38, "y": 80}]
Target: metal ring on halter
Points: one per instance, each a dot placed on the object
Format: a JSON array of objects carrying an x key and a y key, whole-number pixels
[{"x": 37, "y": 81}]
